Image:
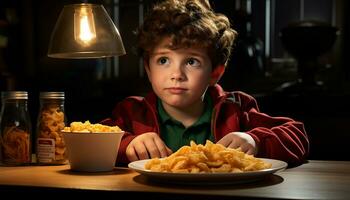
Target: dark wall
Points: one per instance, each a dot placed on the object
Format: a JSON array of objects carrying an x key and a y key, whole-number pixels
[{"x": 91, "y": 89}]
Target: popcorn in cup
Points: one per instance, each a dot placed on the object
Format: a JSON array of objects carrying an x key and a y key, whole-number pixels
[{"x": 92, "y": 147}]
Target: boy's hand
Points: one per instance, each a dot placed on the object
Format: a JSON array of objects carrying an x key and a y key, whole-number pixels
[
  {"x": 239, "y": 140},
  {"x": 145, "y": 146}
]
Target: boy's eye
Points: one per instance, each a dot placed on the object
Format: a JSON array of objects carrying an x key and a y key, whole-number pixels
[
  {"x": 163, "y": 61},
  {"x": 193, "y": 62}
]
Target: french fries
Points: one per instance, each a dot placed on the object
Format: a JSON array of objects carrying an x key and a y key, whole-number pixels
[{"x": 210, "y": 158}]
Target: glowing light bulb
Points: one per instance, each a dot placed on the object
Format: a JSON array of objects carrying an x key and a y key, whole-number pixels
[
  {"x": 84, "y": 26},
  {"x": 85, "y": 31}
]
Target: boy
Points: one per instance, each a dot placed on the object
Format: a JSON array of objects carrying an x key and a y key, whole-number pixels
[{"x": 186, "y": 46}]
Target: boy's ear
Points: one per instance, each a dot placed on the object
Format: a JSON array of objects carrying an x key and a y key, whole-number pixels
[{"x": 216, "y": 74}]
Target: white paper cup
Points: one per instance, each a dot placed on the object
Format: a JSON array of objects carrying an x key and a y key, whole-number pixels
[{"x": 92, "y": 152}]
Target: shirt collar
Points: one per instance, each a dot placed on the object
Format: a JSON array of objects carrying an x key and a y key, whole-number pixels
[
  {"x": 204, "y": 118},
  {"x": 163, "y": 115}
]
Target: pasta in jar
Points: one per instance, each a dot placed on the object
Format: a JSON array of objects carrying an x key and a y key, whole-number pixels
[
  {"x": 50, "y": 145},
  {"x": 15, "y": 145},
  {"x": 15, "y": 129}
]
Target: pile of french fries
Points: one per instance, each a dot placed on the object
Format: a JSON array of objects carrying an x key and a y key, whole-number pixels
[{"x": 208, "y": 158}]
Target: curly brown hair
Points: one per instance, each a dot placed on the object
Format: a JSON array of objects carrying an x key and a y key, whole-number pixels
[{"x": 188, "y": 23}]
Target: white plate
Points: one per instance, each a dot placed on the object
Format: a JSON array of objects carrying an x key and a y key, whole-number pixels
[{"x": 208, "y": 178}]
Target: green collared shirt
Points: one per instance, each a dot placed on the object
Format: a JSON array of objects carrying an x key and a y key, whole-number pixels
[{"x": 176, "y": 135}]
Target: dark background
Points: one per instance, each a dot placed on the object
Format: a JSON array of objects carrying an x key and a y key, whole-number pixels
[{"x": 93, "y": 86}]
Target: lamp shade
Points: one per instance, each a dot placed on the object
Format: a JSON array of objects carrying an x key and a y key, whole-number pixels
[{"x": 85, "y": 31}]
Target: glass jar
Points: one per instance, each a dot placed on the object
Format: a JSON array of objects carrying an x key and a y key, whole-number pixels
[
  {"x": 15, "y": 128},
  {"x": 50, "y": 145}
]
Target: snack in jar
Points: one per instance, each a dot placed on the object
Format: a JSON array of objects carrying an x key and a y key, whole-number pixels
[
  {"x": 50, "y": 145},
  {"x": 15, "y": 129}
]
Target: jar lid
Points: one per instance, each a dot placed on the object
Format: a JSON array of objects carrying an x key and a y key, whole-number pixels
[
  {"x": 52, "y": 95},
  {"x": 14, "y": 95}
]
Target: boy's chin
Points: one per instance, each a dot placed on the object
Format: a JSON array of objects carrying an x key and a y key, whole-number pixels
[{"x": 179, "y": 104}]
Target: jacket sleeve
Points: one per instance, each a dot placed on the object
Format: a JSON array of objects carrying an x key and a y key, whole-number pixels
[
  {"x": 121, "y": 109},
  {"x": 126, "y": 139},
  {"x": 279, "y": 138},
  {"x": 134, "y": 117}
]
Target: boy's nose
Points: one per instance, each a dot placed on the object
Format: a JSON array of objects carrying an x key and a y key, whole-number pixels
[{"x": 177, "y": 74}]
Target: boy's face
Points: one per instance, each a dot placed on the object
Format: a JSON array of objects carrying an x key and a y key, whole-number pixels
[{"x": 179, "y": 76}]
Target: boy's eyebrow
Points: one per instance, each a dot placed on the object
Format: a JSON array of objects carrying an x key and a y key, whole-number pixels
[
  {"x": 167, "y": 49},
  {"x": 161, "y": 51},
  {"x": 194, "y": 53},
  {"x": 164, "y": 52}
]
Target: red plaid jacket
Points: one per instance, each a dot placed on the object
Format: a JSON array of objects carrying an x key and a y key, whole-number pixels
[{"x": 279, "y": 138}]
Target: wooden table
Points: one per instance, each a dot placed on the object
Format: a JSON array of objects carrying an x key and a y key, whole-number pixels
[{"x": 313, "y": 180}]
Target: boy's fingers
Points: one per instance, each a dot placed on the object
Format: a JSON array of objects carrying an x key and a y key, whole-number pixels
[
  {"x": 224, "y": 141},
  {"x": 248, "y": 149},
  {"x": 131, "y": 154},
  {"x": 250, "y": 152},
  {"x": 234, "y": 144},
  {"x": 169, "y": 151},
  {"x": 161, "y": 147},
  {"x": 141, "y": 151},
  {"x": 152, "y": 148}
]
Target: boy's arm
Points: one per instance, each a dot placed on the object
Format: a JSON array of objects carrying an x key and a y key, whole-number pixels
[
  {"x": 121, "y": 117},
  {"x": 276, "y": 137},
  {"x": 126, "y": 139},
  {"x": 134, "y": 117}
]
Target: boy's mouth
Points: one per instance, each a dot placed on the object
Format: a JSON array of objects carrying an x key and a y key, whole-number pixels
[{"x": 176, "y": 90}]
